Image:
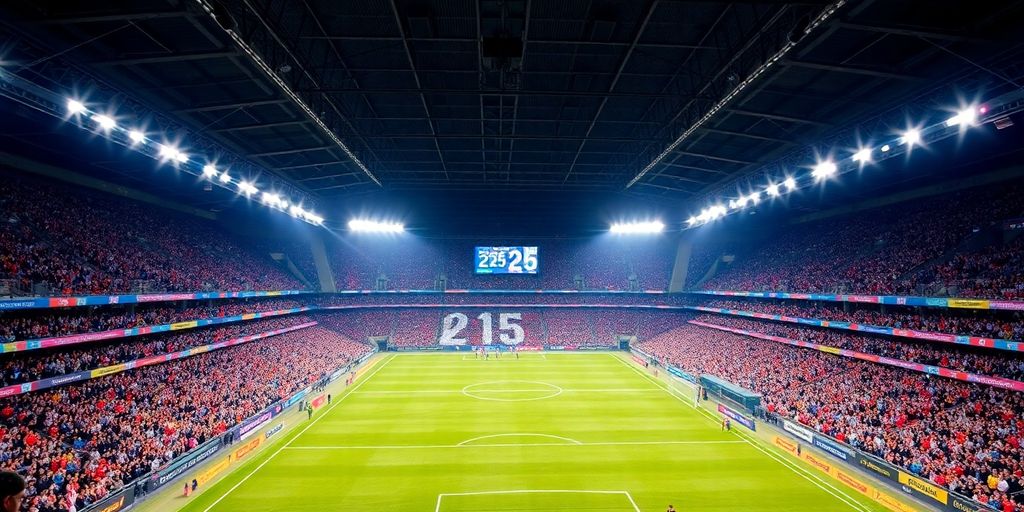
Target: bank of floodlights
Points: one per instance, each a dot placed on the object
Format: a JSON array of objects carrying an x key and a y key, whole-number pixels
[
  {"x": 372, "y": 226},
  {"x": 825, "y": 170},
  {"x": 170, "y": 153},
  {"x": 637, "y": 228}
]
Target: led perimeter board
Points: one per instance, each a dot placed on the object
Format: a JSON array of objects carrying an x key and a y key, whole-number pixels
[{"x": 506, "y": 260}]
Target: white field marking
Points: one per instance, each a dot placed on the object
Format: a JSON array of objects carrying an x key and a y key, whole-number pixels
[
  {"x": 303, "y": 431},
  {"x": 538, "y": 491},
  {"x": 469, "y": 392},
  {"x": 568, "y": 439},
  {"x": 828, "y": 487},
  {"x": 507, "y": 445},
  {"x": 453, "y": 391}
]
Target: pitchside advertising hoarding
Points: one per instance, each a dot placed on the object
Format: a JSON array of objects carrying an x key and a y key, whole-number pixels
[
  {"x": 911, "y": 485},
  {"x": 736, "y": 416}
]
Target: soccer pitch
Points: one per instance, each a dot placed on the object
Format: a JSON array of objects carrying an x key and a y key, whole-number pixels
[{"x": 545, "y": 432}]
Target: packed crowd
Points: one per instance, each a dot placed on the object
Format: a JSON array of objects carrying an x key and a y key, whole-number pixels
[
  {"x": 958, "y": 435},
  {"x": 91, "y": 438},
  {"x": 882, "y": 251},
  {"x": 1007, "y": 325},
  {"x": 85, "y": 242},
  {"x": 32, "y": 365},
  {"x": 589, "y": 298},
  {"x": 984, "y": 361},
  {"x": 64, "y": 322}
]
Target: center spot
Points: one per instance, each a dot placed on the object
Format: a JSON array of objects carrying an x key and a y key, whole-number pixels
[{"x": 512, "y": 390}]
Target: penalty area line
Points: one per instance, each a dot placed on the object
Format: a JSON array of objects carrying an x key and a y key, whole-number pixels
[
  {"x": 824, "y": 485},
  {"x": 628, "y": 496},
  {"x": 303, "y": 431}
]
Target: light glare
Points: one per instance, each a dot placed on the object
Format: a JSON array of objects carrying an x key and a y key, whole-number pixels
[
  {"x": 136, "y": 136},
  {"x": 772, "y": 190},
  {"x": 75, "y": 107},
  {"x": 105, "y": 122},
  {"x": 910, "y": 137},
  {"x": 371, "y": 226},
  {"x": 863, "y": 155},
  {"x": 824, "y": 170},
  {"x": 790, "y": 184}
]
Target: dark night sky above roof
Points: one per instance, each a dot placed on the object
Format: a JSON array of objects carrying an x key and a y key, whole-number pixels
[{"x": 511, "y": 106}]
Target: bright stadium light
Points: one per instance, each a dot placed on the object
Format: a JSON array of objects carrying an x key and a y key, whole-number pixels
[
  {"x": 296, "y": 211},
  {"x": 75, "y": 107},
  {"x": 824, "y": 170},
  {"x": 210, "y": 172},
  {"x": 247, "y": 188},
  {"x": 105, "y": 122},
  {"x": 964, "y": 118},
  {"x": 886, "y": 148},
  {"x": 910, "y": 137},
  {"x": 372, "y": 226},
  {"x": 314, "y": 218},
  {"x": 225, "y": 177},
  {"x": 772, "y": 190},
  {"x": 692, "y": 220},
  {"x": 862, "y": 155},
  {"x": 790, "y": 184},
  {"x": 634, "y": 228},
  {"x": 136, "y": 136},
  {"x": 168, "y": 152},
  {"x": 181, "y": 157},
  {"x": 754, "y": 197}
]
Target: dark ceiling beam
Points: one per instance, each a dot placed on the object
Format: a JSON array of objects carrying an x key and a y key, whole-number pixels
[
  {"x": 777, "y": 117},
  {"x": 850, "y": 69},
  {"x": 461, "y": 136},
  {"x": 416, "y": 79},
  {"x": 100, "y": 18},
  {"x": 651, "y": 7},
  {"x": 305, "y": 166},
  {"x": 748, "y": 136},
  {"x": 476, "y": 92},
  {"x": 713, "y": 157},
  {"x": 466, "y": 40},
  {"x": 162, "y": 59},
  {"x": 258, "y": 126},
  {"x": 912, "y": 32},
  {"x": 290, "y": 151},
  {"x": 329, "y": 176},
  {"x": 532, "y": 120},
  {"x": 695, "y": 168},
  {"x": 234, "y": 104},
  {"x": 681, "y": 178}
]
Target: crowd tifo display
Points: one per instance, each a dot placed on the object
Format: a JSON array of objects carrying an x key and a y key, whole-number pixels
[
  {"x": 951, "y": 245},
  {"x": 507, "y": 327}
]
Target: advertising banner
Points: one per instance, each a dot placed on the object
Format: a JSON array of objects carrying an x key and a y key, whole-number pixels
[
  {"x": 940, "y": 302},
  {"x": 737, "y": 417},
  {"x": 247, "y": 448},
  {"x": 204, "y": 477},
  {"x": 832, "y": 448},
  {"x": 798, "y": 431},
  {"x": 116, "y": 502},
  {"x": 251, "y": 425},
  {"x": 319, "y": 401},
  {"x": 182, "y": 464},
  {"x": 277, "y": 428},
  {"x": 103, "y": 300}
]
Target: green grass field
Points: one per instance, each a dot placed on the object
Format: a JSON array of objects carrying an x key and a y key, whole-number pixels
[{"x": 578, "y": 432}]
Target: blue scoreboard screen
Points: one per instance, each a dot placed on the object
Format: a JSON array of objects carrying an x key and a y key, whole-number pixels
[{"x": 506, "y": 260}]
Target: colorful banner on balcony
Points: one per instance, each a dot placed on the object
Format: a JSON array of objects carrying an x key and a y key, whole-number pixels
[
  {"x": 61, "y": 380},
  {"x": 998, "y": 382},
  {"x": 894, "y": 300},
  {"x": 60, "y": 341},
  {"x": 106, "y": 300},
  {"x": 974, "y": 341}
]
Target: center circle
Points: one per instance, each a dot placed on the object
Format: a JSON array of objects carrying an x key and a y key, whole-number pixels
[{"x": 512, "y": 390}]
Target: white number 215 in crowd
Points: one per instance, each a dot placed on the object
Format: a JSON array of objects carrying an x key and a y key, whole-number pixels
[{"x": 454, "y": 323}]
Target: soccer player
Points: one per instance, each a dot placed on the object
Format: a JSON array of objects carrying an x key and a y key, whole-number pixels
[{"x": 670, "y": 509}]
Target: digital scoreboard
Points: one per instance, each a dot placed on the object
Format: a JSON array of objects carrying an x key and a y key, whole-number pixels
[{"x": 506, "y": 260}]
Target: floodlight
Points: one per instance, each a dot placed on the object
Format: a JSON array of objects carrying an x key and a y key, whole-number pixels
[
  {"x": 964, "y": 118},
  {"x": 886, "y": 148},
  {"x": 209, "y": 171},
  {"x": 105, "y": 122},
  {"x": 862, "y": 155},
  {"x": 247, "y": 188},
  {"x": 225, "y": 177},
  {"x": 75, "y": 107},
  {"x": 824, "y": 170},
  {"x": 790, "y": 184},
  {"x": 371, "y": 226},
  {"x": 692, "y": 220},
  {"x": 772, "y": 189},
  {"x": 910, "y": 137},
  {"x": 754, "y": 197},
  {"x": 136, "y": 136}
]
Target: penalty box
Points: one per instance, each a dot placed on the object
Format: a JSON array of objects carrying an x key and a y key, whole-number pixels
[{"x": 537, "y": 500}]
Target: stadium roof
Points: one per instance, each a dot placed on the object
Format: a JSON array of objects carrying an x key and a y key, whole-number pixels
[{"x": 554, "y": 96}]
